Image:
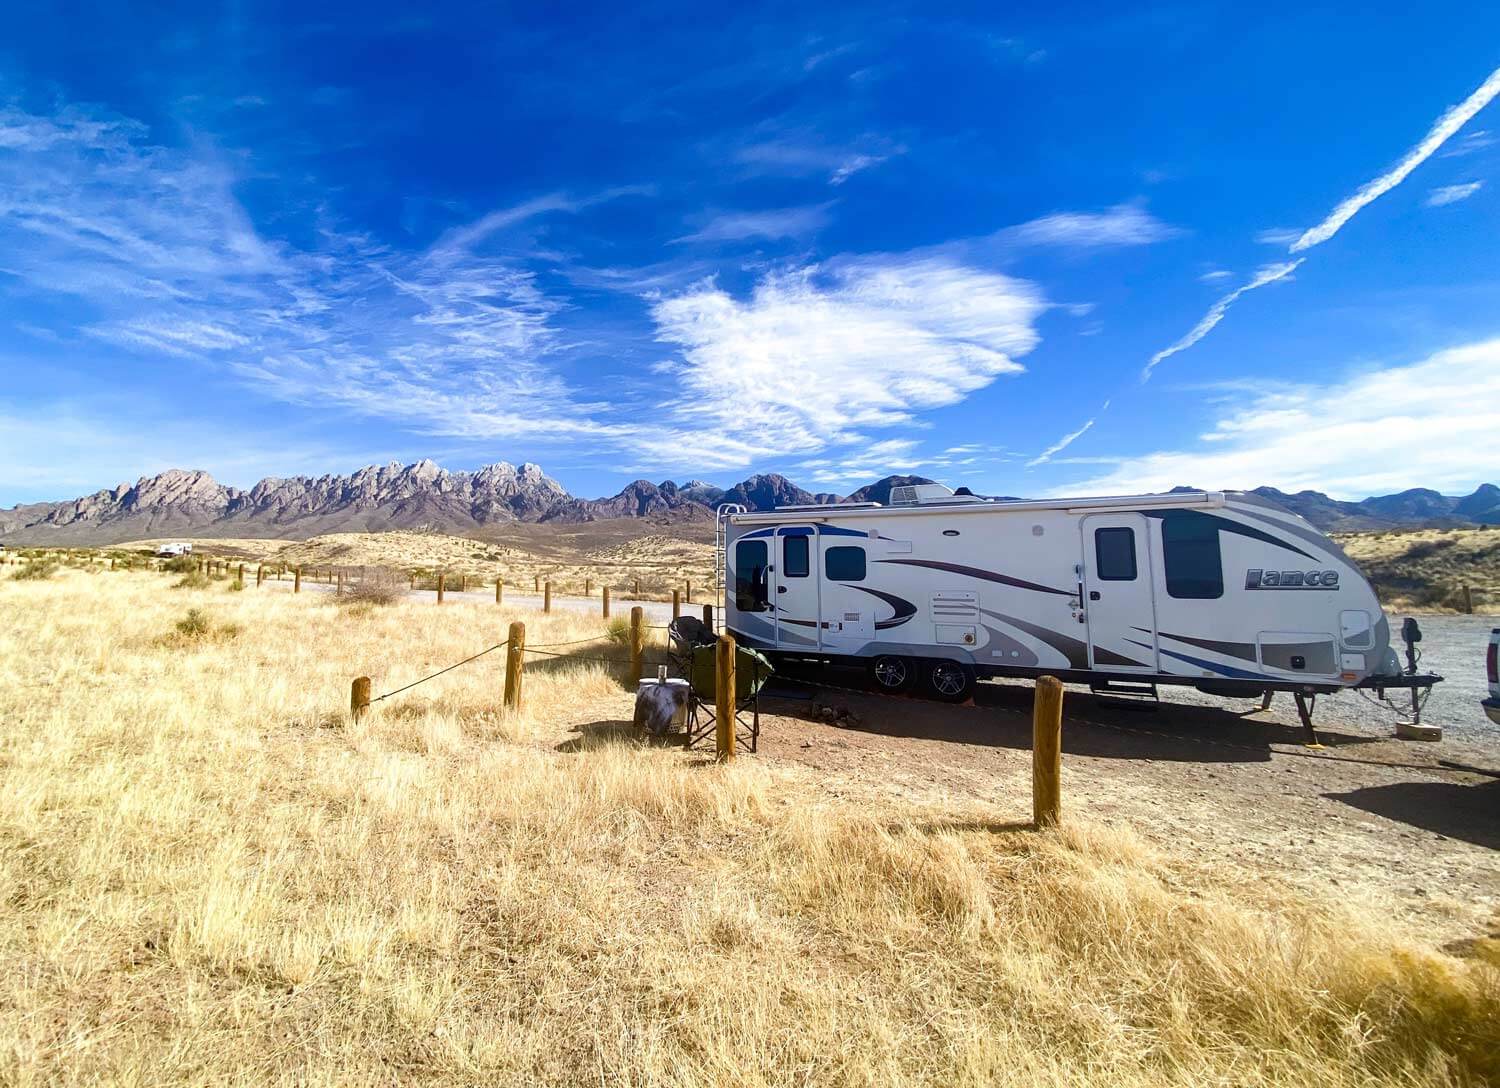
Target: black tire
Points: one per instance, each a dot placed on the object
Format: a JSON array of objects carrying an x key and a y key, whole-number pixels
[
  {"x": 892, "y": 674},
  {"x": 948, "y": 681}
]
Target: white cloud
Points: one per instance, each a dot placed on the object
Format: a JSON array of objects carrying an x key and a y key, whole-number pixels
[
  {"x": 1430, "y": 423},
  {"x": 1452, "y": 194},
  {"x": 860, "y": 342},
  {"x": 1278, "y": 236},
  {"x": 1217, "y": 275},
  {"x": 1216, "y": 312},
  {"x": 1446, "y": 126},
  {"x": 1122, "y": 225},
  {"x": 774, "y": 223}
]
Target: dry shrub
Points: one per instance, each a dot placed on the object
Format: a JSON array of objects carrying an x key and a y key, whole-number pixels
[
  {"x": 36, "y": 570},
  {"x": 378, "y": 586},
  {"x": 193, "y": 580}
]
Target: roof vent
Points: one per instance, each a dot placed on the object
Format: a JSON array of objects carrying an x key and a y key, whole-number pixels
[{"x": 926, "y": 494}]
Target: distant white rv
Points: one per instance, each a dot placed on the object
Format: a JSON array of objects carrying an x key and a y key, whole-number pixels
[
  {"x": 167, "y": 551},
  {"x": 1224, "y": 591}
]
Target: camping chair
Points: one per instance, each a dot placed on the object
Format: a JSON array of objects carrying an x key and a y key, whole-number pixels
[
  {"x": 751, "y": 671},
  {"x": 684, "y": 635}
]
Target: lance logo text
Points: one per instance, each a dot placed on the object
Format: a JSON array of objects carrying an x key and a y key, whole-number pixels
[{"x": 1291, "y": 579}]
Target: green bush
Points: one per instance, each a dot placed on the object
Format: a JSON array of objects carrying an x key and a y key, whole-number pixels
[
  {"x": 181, "y": 564},
  {"x": 618, "y": 629},
  {"x": 193, "y": 580}
]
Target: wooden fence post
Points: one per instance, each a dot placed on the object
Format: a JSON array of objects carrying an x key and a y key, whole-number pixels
[
  {"x": 1469, "y": 599},
  {"x": 536, "y": 583},
  {"x": 724, "y": 699},
  {"x": 240, "y": 577},
  {"x": 411, "y": 578},
  {"x": 341, "y": 583},
  {"x": 637, "y": 642},
  {"x": 441, "y": 578},
  {"x": 637, "y": 589},
  {"x": 605, "y": 600},
  {"x": 689, "y": 595},
  {"x": 359, "y": 697},
  {"x": 547, "y": 596},
  {"x": 297, "y": 580},
  {"x": 463, "y": 583},
  {"x": 676, "y": 603},
  {"x": 708, "y": 616},
  {"x": 499, "y": 590},
  {"x": 1046, "y": 752},
  {"x": 588, "y": 587},
  {"x": 515, "y": 660}
]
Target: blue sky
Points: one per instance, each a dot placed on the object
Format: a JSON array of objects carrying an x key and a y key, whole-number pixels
[{"x": 1045, "y": 250}]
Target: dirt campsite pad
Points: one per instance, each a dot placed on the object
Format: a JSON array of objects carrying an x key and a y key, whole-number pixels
[{"x": 1413, "y": 828}]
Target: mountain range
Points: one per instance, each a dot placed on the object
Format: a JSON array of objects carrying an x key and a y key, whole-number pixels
[{"x": 426, "y": 496}]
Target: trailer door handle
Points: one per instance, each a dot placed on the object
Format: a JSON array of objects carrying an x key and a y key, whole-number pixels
[
  {"x": 781, "y": 589},
  {"x": 1093, "y": 594}
]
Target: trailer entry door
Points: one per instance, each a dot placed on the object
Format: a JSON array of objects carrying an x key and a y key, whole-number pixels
[
  {"x": 795, "y": 574},
  {"x": 1120, "y": 605}
]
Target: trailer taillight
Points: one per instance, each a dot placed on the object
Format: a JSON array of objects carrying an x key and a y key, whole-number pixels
[{"x": 1489, "y": 657}]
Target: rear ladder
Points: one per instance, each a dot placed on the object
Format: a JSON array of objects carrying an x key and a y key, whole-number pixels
[{"x": 721, "y": 559}]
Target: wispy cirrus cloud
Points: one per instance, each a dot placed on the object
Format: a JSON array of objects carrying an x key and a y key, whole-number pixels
[
  {"x": 1121, "y": 225},
  {"x": 1432, "y": 420},
  {"x": 804, "y": 153},
  {"x": 151, "y": 251},
  {"x": 816, "y": 354},
  {"x": 1452, "y": 194},
  {"x": 773, "y": 224}
]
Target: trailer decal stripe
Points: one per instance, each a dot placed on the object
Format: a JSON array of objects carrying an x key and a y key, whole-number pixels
[
  {"x": 1103, "y": 656},
  {"x": 1072, "y": 649},
  {"x": 904, "y": 609},
  {"x": 975, "y": 572},
  {"x": 1224, "y": 525},
  {"x": 1243, "y": 650},
  {"x": 1222, "y": 669}
]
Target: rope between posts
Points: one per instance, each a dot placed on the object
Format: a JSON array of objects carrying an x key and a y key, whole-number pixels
[{"x": 440, "y": 672}]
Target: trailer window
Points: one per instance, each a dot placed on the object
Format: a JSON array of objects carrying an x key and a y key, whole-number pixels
[
  {"x": 1114, "y": 554},
  {"x": 1190, "y": 555},
  {"x": 750, "y": 560},
  {"x": 794, "y": 556},
  {"x": 844, "y": 564}
]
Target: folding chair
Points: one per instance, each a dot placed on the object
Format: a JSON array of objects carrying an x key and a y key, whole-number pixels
[{"x": 751, "y": 671}]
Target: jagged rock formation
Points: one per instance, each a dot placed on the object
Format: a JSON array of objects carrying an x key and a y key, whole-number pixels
[{"x": 425, "y": 495}]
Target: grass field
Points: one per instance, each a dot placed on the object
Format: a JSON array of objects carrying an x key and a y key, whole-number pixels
[
  {"x": 570, "y": 557},
  {"x": 213, "y": 875}
]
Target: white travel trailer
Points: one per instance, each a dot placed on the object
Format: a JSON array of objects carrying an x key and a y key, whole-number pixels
[
  {"x": 171, "y": 550},
  {"x": 1224, "y": 591}
]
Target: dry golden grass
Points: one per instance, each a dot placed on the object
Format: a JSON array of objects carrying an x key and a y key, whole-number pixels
[
  {"x": 213, "y": 876},
  {"x": 1426, "y": 569}
]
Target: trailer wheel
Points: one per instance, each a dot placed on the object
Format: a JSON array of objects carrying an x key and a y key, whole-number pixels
[
  {"x": 949, "y": 681},
  {"x": 890, "y": 673}
]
